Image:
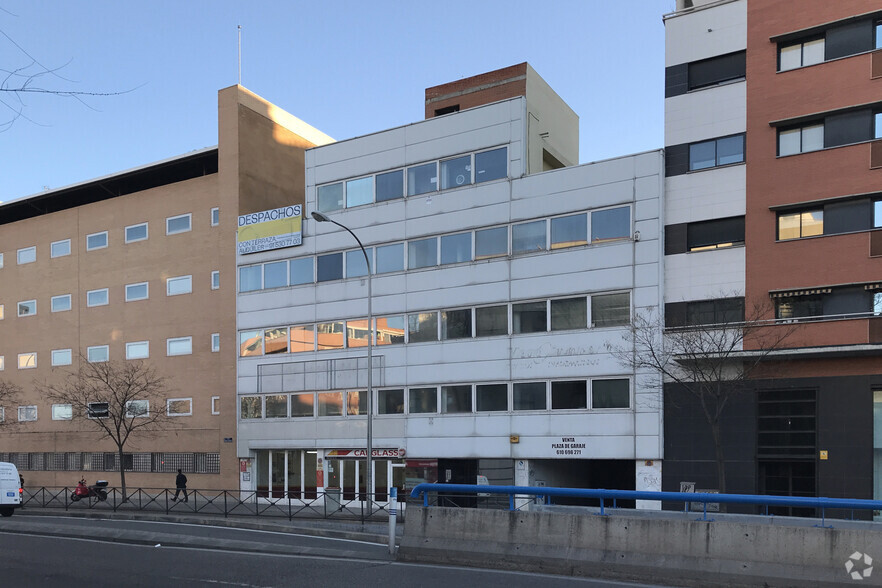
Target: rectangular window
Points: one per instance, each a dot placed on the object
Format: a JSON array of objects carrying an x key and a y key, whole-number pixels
[
  {"x": 179, "y": 346},
  {"x": 1, "y": 312},
  {"x": 716, "y": 152},
  {"x": 97, "y": 297},
  {"x": 302, "y": 339},
  {"x": 801, "y": 140},
  {"x": 330, "y": 197},
  {"x": 569, "y": 313},
  {"x": 302, "y": 405},
  {"x": 569, "y": 395},
  {"x": 356, "y": 264},
  {"x": 422, "y": 179},
  {"x": 710, "y": 72},
  {"x": 27, "y": 308},
  {"x": 98, "y": 410},
  {"x": 138, "y": 291},
  {"x": 390, "y": 401},
  {"x": 27, "y": 413},
  {"x": 179, "y": 285},
  {"x": 422, "y": 327},
  {"x": 390, "y": 258},
  {"x": 800, "y": 54},
  {"x": 215, "y": 280},
  {"x": 1, "y": 260},
  {"x": 357, "y": 333},
  {"x": 491, "y": 242},
  {"x": 712, "y": 312},
  {"x": 276, "y": 406},
  {"x": 137, "y": 409},
  {"x": 275, "y": 341},
  {"x": 250, "y": 277},
  {"x": 800, "y": 224},
  {"x": 60, "y": 303},
  {"x": 179, "y": 407},
  {"x": 456, "y": 399},
  {"x": 136, "y": 233},
  {"x": 300, "y": 271},
  {"x": 138, "y": 350},
  {"x": 250, "y": 407},
  {"x": 215, "y": 405},
  {"x": 359, "y": 192},
  {"x": 275, "y": 274},
  {"x": 27, "y": 255},
  {"x": 27, "y": 361},
  {"x": 613, "y": 393},
  {"x": 456, "y": 324},
  {"x": 178, "y": 224},
  {"x": 611, "y": 224},
  {"x": 422, "y": 253},
  {"x": 569, "y": 231},
  {"x": 330, "y": 404},
  {"x": 356, "y": 402},
  {"x": 456, "y": 248},
  {"x": 215, "y": 217},
  {"x": 98, "y": 353},
  {"x": 330, "y": 335},
  {"x": 390, "y": 330},
  {"x": 60, "y": 248},
  {"x": 96, "y": 241},
  {"x": 61, "y": 357},
  {"x": 610, "y": 310},
  {"x": 423, "y": 400},
  {"x": 715, "y": 234},
  {"x": 529, "y": 317},
  {"x": 491, "y": 397},
  {"x": 456, "y": 172},
  {"x": 62, "y": 412},
  {"x": 390, "y": 185},
  {"x": 215, "y": 342},
  {"x": 329, "y": 267},
  {"x": 528, "y": 237},
  {"x": 491, "y": 321},
  {"x": 2, "y": 363},
  {"x": 793, "y": 307},
  {"x": 491, "y": 165},
  {"x": 529, "y": 395}
]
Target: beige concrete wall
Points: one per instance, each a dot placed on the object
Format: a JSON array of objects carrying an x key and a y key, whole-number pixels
[{"x": 552, "y": 125}]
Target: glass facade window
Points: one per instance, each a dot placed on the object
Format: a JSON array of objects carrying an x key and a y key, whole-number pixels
[
  {"x": 136, "y": 233},
  {"x": 491, "y": 165},
  {"x": 356, "y": 402},
  {"x": 456, "y": 399},
  {"x": 275, "y": 341},
  {"x": 611, "y": 224},
  {"x": 491, "y": 321},
  {"x": 177, "y": 224},
  {"x": 716, "y": 152},
  {"x": 250, "y": 407},
  {"x": 300, "y": 271},
  {"x": 390, "y": 401},
  {"x": 569, "y": 395},
  {"x": 390, "y": 258},
  {"x": 359, "y": 192},
  {"x": 330, "y": 197},
  {"x": 95, "y": 298},
  {"x": 491, "y": 397},
  {"x": 610, "y": 310},
  {"x": 250, "y": 343},
  {"x": 800, "y": 224},
  {"x": 276, "y": 406},
  {"x": 529, "y": 317},
  {"x": 456, "y": 172},
  {"x": 138, "y": 350},
  {"x": 422, "y": 179},
  {"x": 456, "y": 248},
  {"x": 613, "y": 393},
  {"x": 356, "y": 265},
  {"x": 491, "y": 242},
  {"x": 60, "y": 303},
  {"x": 390, "y": 185},
  {"x": 357, "y": 333},
  {"x": 250, "y": 278},
  {"x": 96, "y": 241},
  {"x": 302, "y": 405},
  {"x": 98, "y": 353},
  {"x": 569, "y": 313},
  {"x": 801, "y": 140},
  {"x": 389, "y": 330},
  {"x": 329, "y": 267},
  {"x": 330, "y": 335},
  {"x": 702, "y": 155},
  {"x": 456, "y": 324},
  {"x": 302, "y": 338},
  {"x": 275, "y": 274},
  {"x": 61, "y": 357},
  {"x": 528, "y": 237},
  {"x": 330, "y": 404},
  {"x": 569, "y": 231},
  {"x": 136, "y": 292},
  {"x": 26, "y": 255},
  {"x": 422, "y": 327},
  {"x": 529, "y": 395},
  {"x": 422, "y": 253},
  {"x": 60, "y": 248},
  {"x": 423, "y": 400}
]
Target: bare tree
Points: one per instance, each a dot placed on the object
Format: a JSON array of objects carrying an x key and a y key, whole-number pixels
[
  {"x": 121, "y": 401},
  {"x": 9, "y": 395},
  {"x": 708, "y": 362}
]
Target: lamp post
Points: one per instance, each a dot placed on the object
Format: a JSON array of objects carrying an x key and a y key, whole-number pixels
[{"x": 322, "y": 218}]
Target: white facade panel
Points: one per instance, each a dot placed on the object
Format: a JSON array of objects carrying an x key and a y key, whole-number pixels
[
  {"x": 705, "y": 32},
  {"x": 708, "y": 194},
  {"x": 707, "y": 113},
  {"x": 703, "y": 275}
]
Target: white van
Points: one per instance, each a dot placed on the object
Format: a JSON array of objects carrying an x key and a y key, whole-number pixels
[{"x": 10, "y": 489}]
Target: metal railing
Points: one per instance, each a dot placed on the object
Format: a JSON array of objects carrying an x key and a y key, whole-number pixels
[
  {"x": 519, "y": 497},
  {"x": 358, "y": 506}
]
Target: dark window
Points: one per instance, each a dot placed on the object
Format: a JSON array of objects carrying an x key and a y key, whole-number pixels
[
  {"x": 709, "y": 72},
  {"x": 704, "y": 312},
  {"x": 390, "y": 401},
  {"x": 712, "y": 234},
  {"x": 716, "y": 152},
  {"x": 848, "y": 216},
  {"x": 676, "y": 80},
  {"x": 456, "y": 399},
  {"x": 456, "y": 324},
  {"x": 491, "y": 397},
  {"x": 390, "y": 185},
  {"x": 98, "y": 410},
  {"x": 491, "y": 165},
  {"x": 491, "y": 321},
  {"x": 528, "y": 395},
  {"x": 798, "y": 307},
  {"x": 676, "y": 160},
  {"x": 569, "y": 313},
  {"x": 786, "y": 423},
  {"x": 447, "y": 110},
  {"x": 568, "y": 395},
  {"x": 529, "y": 317},
  {"x": 610, "y": 393},
  {"x": 329, "y": 267},
  {"x": 849, "y": 39},
  {"x": 848, "y": 127}
]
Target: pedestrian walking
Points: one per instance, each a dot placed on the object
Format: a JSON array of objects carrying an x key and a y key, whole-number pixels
[{"x": 180, "y": 485}]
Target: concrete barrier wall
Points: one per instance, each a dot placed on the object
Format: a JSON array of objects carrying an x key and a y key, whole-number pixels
[{"x": 682, "y": 550}]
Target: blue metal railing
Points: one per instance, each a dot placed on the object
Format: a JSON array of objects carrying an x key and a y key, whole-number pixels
[{"x": 606, "y": 496}]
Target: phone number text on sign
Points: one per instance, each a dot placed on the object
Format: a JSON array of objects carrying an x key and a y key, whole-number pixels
[{"x": 568, "y": 446}]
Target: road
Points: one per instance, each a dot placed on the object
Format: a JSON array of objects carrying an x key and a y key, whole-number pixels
[{"x": 207, "y": 556}]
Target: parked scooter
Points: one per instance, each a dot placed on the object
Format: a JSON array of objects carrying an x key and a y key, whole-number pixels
[{"x": 97, "y": 490}]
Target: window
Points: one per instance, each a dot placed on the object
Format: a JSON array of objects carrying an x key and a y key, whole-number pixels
[
  {"x": 456, "y": 399},
  {"x": 60, "y": 303},
  {"x": 300, "y": 271},
  {"x": 250, "y": 278},
  {"x": 359, "y": 192},
  {"x": 97, "y": 297},
  {"x": 329, "y": 267},
  {"x": 96, "y": 241},
  {"x": 568, "y": 395},
  {"x": 177, "y": 224},
  {"x": 302, "y": 339},
  {"x": 356, "y": 402},
  {"x": 275, "y": 341},
  {"x": 390, "y": 185},
  {"x": 137, "y": 292},
  {"x": 27, "y": 308},
  {"x": 491, "y": 165},
  {"x": 275, "y": 274},
  {"x": 137, "y": 408},
  {"x": 215, "y": 217},
  {"x": 390, "y": 258},
  {"x": 330, "y": 335},
  {"x": 610, "y": 310},
  {"x": 569, "y": 231},
  {"x": 491, "y": 242},
  {"x": 1, "y": 312},
  {"x": 2, "y": 363},
  {"x": 423, "y": 400},
  {"x": 389, "y": 330},
  {"x": 422, "y": 327},
  {"x": 98, "y": 410},
  {"x": 138, "y": 350},
  {"x": 422, "y": 178},
  {"x": 390, "y": 401},
  {"x": 27, "y": 413},
  {"x": 877, "y": 222},
  {"x": 357, "y": 333},
  {"x": 250, "y": 343},
  {"x": 61, "y": 357},
  {"x": 27, "y": 361},
  {"x": 179, "y": 285},
  {"x": 250, "y": 407},
  {"x": 215, "y": 405},
  {"x": 60, "y": 248},
  {"x": 569, "y": 313},
  {"x": 27, "y": 255},
  {"x": 179, "y": 406},
  {"x": 800, "y": 224},
  {"x": 716, "y": 152},
  {"x": 491, "y": 397},
  {"x": 456, "y": 324},
  {"x": 456, "y": 248},
  {"x": 276, "y": 406},
  {"x": 704, "y": 312},
  {"x": 179, "y": 346},
  {"x": 715, "y": 234},
  {"x": 215, "y": 280},
  {"x": 528, "y": 237},
  {"x": 491, "y": 321},
  {"x": 215, "y": 342},
  {"x": 793, "y": 307},
  {"x": 136, "y": 233},
  {"x": 330, "y": 404},
  {"x": 62, "y": 412},
  {"x": 801, "y": 140},
  {"x": 456, "y": 172},
  {"x": 611, "y": 224},
  {"x": 356, "y": 264},
  {"x": 800, "y": 54},
  {"x": 422, "y": 253},
  {"x": 302, "y": 405},
  {"x": 529, "y": 395},
  {"x": 614, "y": 393},
  {"x": 710, "y": 72},
  {"x": 98, "y": 353},
  {"x": 529, "y": 317},
  {"x": 330, "y": 197},
  {"x": 1, "y": 260}
]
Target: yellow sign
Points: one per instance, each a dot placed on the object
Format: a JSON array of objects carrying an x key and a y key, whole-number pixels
[
  {"x": 270, "y": 229},
  {"x": 824, "y": 454}
]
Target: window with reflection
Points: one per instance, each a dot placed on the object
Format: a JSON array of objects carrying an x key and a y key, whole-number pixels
[
  {"x": 423, "y": 400},
  {"x": 528, "y": 396},
  {"x": 359, "y": 192},
  {"x": 390, "y": 330},
  {"x": 456, "y": 172},
  {"x": 390, "y": 401},
  {"x": 611, "y": 224},
  {"x": 611, "y": 310},
  {"x": 456, "y": 324},
  {"x": 569, "y": 231},
  {"x": 275, "y": 274},
  {"x": 330, "y": 404},
  {"x": 456, "y": 248},
  {"x": 275, "y": 340},
  {"x": 250, "y": 407},
  {"x": 800, "y": 224},
  {"x": 302, "y": 338},
  {"x": 456, "y": 399},
  {"x": 569, "y": 313},
  {"x": 422, "y": 327},
  {"x": 491, "y": 242},
  {"x": 529, "y": 317},
  {"x": 356, "y": 402},
  {"x": 300, "y": 271},
  {"x": 276, "y": 406},
  {"x": 250, "y": 278},
  {"x": 422, "y": 179},
  {"x": 491, "y": 321},
  {"x": 330, "y": 335},
  {"x": 612, "y": 393},
  {"x": 356, "y": 264},
  {"x": 302, "y": 405},
  {"x": 357, "y": 333},
  {"x": 491, "y": 397},
  {"x": 390, "y": 258},
  {"x": 422, "y": 253},
  {"x": 330, "y": 197},
  {"x": 330, "y": 267},
  {"x": 390, "y": 185},
  {"x": 491, "y": 165},
  {"x": 569, "y": 395},
  {"x": 250, "y": 343},
  {"x": 528, "y": 237}
]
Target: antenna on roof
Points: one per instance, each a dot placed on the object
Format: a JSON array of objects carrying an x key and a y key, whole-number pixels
[{"x": 239, "y": 27}]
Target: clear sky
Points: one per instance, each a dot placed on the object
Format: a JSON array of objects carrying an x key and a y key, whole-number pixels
[{"x": 347, "y": 67}]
